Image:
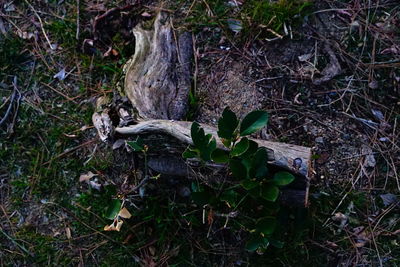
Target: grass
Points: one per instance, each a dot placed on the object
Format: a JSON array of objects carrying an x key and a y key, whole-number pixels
[
  {"x": 41, "y": 195},
  {"x": 253, "y": 19},
  {"x": 64, "y": 32},
  {"x": 13, "y": 55}
]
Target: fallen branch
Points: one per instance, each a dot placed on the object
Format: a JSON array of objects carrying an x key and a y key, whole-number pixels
[{"x": 293, "y": 157}]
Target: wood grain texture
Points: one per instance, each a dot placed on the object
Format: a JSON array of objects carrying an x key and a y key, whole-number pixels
[
  {"x": 158, "y": 77},
  {"x": 293, "y": 157}
]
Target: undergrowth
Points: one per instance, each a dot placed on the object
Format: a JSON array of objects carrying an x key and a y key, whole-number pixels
[
  {"x": 42, "y": 197},
  {"x": 249, "y": 20}
]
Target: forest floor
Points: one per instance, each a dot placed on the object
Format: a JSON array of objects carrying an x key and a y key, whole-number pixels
[{"x": 327, "y": 72}]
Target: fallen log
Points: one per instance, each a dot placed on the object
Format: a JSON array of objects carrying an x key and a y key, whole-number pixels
[{"x": 294, "y": 158}]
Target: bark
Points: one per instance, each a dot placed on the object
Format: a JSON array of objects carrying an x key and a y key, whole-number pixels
[{"x": 157, "y": 80}]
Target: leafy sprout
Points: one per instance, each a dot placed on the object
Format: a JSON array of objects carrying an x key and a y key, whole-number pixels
[{"x": 247, "y": 163}]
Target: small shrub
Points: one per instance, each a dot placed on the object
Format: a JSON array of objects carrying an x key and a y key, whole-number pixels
[{"x": 256, "y": 189}]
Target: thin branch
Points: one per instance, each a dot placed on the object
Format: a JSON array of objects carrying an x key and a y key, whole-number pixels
[
  {"x": 41, "y": 25},
  {"x": 15, "y": 92}
]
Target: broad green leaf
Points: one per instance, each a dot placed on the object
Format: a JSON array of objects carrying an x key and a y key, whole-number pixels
[
  {"x": 255, "y": 241},
  {"x": 201, "y": 198},
  {"x": 206, "y": 144},
  {"x": 237, "y": 168},
  {"x": 227, "y": 124},
  {"x": 269, "y": 192},
  {"x": 283, "y": 178},
  {"x": 266, "y": 225},
  {"x": 136, "y": 145},
  {"x": 113, "y": 208},
  {"x": 229, "y": 196},
  {"x": 255, "y": 192},
  {"x": 253, "y": 146},
  {"x": 240, "y": 147},
  {"x": 197, "y": 134},
  {"x": 207, "y": 151},
  {"x": 265, "y": 242},
  {"x": 220, "y": 156},
  {"x": 249, "y": 184},
  {"x": 253, "y": 122},
  {"x": 261, "y": 172},
  {"x": 226, "y": 142},
  {"x": 276, "y": 243},
  {"x": 189, "y": 153},
  {"x": 259, "y": 164},
  {"x": 247, "y": 164}
]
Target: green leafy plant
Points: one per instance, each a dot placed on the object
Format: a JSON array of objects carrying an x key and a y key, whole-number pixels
[
  {"x": 255, "y": 185},
  {"x": 115, "y": 209}
]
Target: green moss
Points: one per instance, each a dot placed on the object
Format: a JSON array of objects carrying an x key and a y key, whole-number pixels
[
  {"x": 256, "y": 17},
  {"x": 64, "y": 32},
  {"x": 42, "y": 248},
  {"x": 274, "y": 15},
  {"x": 12, "y": 56}
]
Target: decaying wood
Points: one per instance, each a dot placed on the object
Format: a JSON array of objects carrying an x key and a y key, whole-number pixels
[
  {"x": 158, "y": 79},
  {"x": 293, "y": 157},
  {"x": 294, "y": 198},
  {"x": 102, "y": 122}
]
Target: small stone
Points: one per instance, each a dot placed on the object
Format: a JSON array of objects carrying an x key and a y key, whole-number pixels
[
  {"x": 378, "y": 114},
  {"x": 373, "y": 84},
  {"x": 388, "y": 199},
  {"x": 346, "y": 136},
  {"x": 319, "y": 140}
]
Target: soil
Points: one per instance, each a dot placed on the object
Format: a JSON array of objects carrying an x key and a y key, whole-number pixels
[{"x": 324, "y": 87}]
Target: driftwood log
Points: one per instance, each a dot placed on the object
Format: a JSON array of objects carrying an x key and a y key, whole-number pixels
[{"x": 157, "y": 83}]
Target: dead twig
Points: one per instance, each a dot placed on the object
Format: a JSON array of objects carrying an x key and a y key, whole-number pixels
[
  {"x": 7, "y": 114},
  {"x": 13, "y": 96},
  {"x": 67, "y": 151},
  {"x": 41, "y": 25},
  {"x": 2, "y": 28},
  {"x": 59, "y": 92},
  {"x": 77, "y": 19},
  {"x": 16, "y": 243}
]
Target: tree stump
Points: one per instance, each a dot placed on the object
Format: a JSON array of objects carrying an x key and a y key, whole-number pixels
[{"x": 158, "y": 77}]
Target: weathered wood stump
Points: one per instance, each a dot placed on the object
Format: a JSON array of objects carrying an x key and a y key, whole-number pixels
[
  {"x": 158, "y": 77},
  {"x": 157, "y": 83}
]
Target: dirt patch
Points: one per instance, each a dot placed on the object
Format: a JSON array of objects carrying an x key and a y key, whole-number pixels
[{"x": 227, "y": 84}]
